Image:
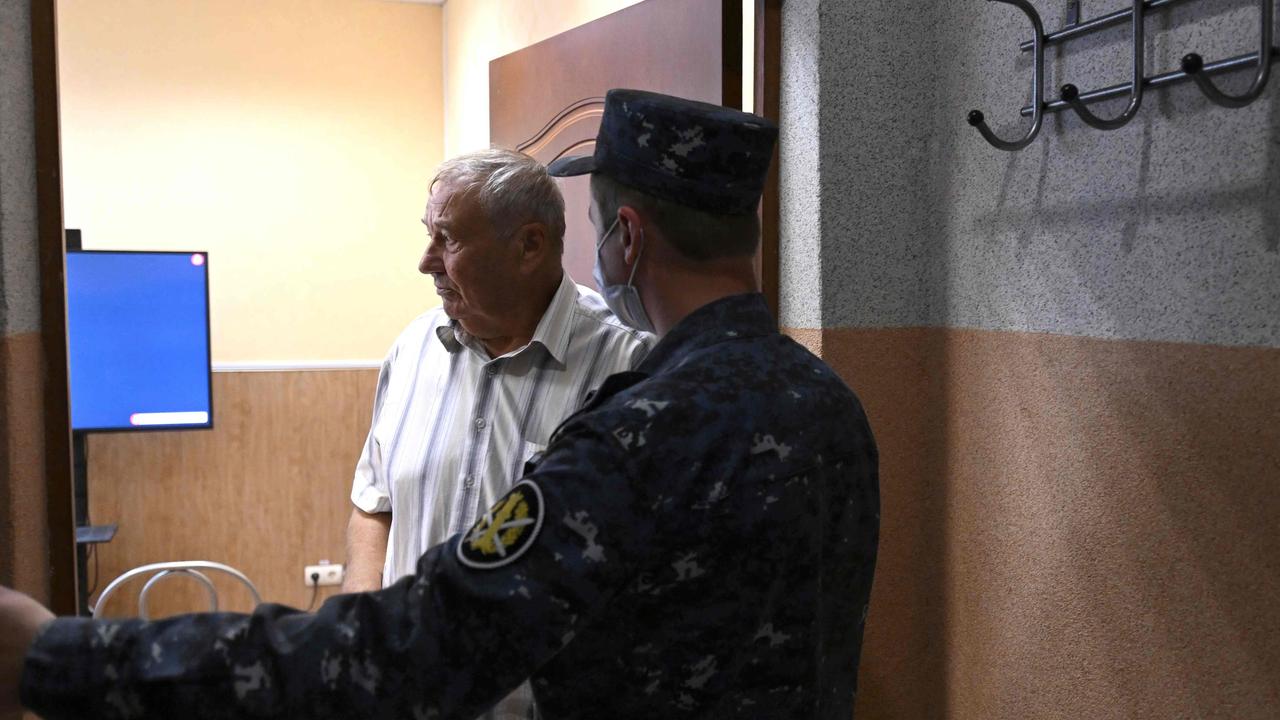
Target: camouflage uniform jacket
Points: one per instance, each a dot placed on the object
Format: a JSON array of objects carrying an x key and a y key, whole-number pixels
[{"x": 697, "y": 541}]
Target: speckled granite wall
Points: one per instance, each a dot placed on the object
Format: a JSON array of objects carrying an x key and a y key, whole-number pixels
[
  {"x": 1070, "y": 356},
  {"x": 19, "y": 283},
  {"x": 799, "y": 231},
  {"x": 1168, "y": 229}
]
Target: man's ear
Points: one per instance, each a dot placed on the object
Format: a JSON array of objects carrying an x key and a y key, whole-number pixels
[
  {"x": 632, "y": 232},
  {"x": 533, "y": 244}
]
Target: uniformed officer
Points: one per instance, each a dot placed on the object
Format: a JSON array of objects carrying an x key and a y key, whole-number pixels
[{"x": 697, "y": 541}]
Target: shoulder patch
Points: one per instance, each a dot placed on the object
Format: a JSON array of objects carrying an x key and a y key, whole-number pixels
[{"x": 506, "y": 531}]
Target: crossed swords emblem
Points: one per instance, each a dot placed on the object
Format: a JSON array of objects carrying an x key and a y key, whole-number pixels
[{"x": 494, "y": 531}]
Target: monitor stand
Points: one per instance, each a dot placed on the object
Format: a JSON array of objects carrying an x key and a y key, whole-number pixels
[{"x": 86, "y": 534}]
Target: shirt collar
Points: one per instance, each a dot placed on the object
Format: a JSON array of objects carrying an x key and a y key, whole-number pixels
[
  {"x": 729, "y": 318},
  {"x": 553, "y": 333}
]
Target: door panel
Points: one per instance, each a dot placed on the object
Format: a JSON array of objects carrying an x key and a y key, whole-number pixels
[{"x": 547, "y": 99}]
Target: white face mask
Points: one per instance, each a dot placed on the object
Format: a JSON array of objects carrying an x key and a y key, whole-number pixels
[{"x": 623, "y": 300}]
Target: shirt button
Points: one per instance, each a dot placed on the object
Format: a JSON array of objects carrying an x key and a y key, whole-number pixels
[
  {"x": 480, "y": 423},
  {"x": 491, "y": 370},
  {"x": 469, "y": 483}
]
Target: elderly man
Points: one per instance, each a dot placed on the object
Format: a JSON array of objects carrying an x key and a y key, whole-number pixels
[
  {"x": 698, "y": 541},
  {"x": 473, "y": 389}
]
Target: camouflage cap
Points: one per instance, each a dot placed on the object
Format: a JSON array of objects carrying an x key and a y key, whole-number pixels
[{"x": 706, "y": 157}]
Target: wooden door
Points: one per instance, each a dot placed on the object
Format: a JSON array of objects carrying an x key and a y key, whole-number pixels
[{"x": 547, "y": 99}]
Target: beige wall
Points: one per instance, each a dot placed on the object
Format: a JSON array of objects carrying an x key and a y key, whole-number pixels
[{"x": 292, "y": 139}]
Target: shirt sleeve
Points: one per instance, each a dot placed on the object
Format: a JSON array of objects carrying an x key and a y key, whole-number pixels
[
  {"x": 448, "y": 641},
  {"x": 371, "y": 489}
]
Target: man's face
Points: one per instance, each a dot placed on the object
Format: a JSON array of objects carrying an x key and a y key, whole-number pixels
[{"x": 476, "y": 273}]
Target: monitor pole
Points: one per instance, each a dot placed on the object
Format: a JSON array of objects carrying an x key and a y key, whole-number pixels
[
  {"x": 80, "y": 473},
  {"x": 86, "y": 535}
]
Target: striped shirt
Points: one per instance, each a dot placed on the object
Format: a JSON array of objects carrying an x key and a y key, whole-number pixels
[{"x": 453, "y": 427}]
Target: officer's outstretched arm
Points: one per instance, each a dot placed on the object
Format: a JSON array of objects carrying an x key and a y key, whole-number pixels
[{"x": 483, "y": 612}]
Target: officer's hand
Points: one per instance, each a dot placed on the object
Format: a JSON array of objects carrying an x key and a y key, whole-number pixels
[{"x": 20, "y": 619}]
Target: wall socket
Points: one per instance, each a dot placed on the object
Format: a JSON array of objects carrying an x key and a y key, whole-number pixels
[{"x": 329, "y": 574}]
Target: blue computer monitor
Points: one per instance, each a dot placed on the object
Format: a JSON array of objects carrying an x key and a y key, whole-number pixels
[{"x": 138, "y": 340}]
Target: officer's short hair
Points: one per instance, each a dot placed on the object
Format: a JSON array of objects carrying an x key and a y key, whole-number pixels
[
  {"x": 512, "y": 189},
  {"x": 698, "y": 235}
]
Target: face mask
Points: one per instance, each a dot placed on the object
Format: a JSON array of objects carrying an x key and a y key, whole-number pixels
[{"x": 623, "y": 300}]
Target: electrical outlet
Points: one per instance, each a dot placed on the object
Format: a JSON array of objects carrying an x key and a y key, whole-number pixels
[{"x": 329, "y": 574}]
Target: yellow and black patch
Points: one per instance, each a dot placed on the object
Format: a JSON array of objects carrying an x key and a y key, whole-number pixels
[{"x": 506, "y": 531}]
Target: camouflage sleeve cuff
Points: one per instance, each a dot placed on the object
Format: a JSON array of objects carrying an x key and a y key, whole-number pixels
[{"x": 65, "y": 674}]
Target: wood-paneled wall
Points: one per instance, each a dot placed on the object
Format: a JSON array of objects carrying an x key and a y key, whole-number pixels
[
  {"x": 23, "y": 522},
  {"x": 1072, "y": 527},
  {"x": 266, "y": 491}
]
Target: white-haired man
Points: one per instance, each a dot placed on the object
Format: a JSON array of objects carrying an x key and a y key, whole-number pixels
[{"x": 473, "y": 389}]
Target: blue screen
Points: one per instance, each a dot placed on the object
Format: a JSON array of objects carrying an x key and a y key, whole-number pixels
[{"x": 138, "y": 340}]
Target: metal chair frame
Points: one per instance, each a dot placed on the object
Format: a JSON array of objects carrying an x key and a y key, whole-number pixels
[{"x": 163, "y": 570}]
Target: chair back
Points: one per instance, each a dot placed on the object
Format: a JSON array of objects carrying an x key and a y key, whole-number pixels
[{"x": 192, "y": 568}]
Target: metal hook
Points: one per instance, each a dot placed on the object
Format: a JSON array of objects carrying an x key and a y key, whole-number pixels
[
  {"x": 1071, "y": 94},
  {"x": 976, "y": 117},
  {"x": 1193, "y": 66},
  {"x": 1074, "y": 16}
]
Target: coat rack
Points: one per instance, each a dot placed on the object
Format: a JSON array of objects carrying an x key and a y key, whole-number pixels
[{"x": 1194, "y": 68}]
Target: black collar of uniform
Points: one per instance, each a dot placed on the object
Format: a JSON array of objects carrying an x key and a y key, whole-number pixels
[
  {"x": 730, "y": 318},
  {"x": 724, "y": 320}
]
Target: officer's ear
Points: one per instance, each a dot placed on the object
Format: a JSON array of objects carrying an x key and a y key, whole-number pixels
[{"x": 632, "y": 232}]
